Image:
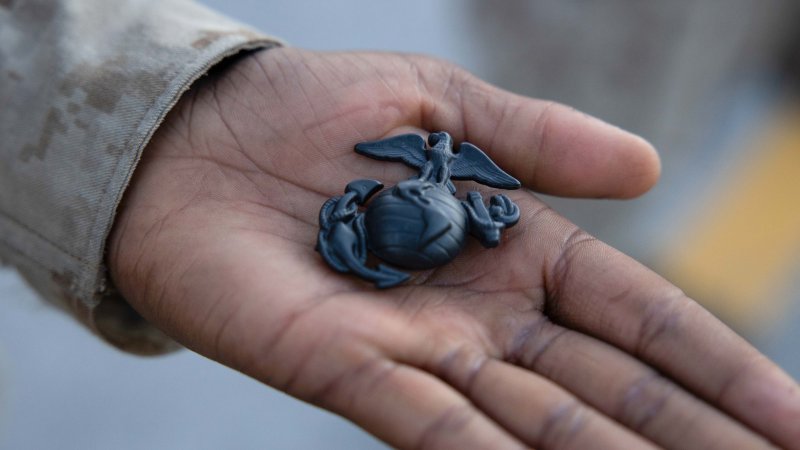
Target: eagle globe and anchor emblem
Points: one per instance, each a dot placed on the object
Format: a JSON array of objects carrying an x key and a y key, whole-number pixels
[{"x": 419, "y": 223}]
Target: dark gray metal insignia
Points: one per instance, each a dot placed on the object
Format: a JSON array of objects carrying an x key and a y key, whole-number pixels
[{"x": 418, "y": 223}]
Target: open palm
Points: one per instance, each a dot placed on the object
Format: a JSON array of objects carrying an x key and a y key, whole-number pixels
[{"x": 551, "y": 340}]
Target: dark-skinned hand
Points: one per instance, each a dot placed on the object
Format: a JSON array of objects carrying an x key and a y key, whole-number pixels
[{"x": 551, "y": 340}]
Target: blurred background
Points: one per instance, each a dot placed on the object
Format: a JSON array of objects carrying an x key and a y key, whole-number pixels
[{"x": 712, "y": 83}]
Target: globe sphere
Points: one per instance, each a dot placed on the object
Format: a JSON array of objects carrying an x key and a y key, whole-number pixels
[{"x": 416, "y": 225}]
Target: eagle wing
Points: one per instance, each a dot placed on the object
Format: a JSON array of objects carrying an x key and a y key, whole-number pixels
[
  {"x": 472, "y": 164},
  {"x": 406, "y": 148}
]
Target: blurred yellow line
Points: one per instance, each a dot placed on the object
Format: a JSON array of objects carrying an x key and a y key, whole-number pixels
[{"x": 739, "y": 254}]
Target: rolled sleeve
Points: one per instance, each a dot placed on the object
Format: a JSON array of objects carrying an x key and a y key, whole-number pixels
[{"x": 83, "y": 86}]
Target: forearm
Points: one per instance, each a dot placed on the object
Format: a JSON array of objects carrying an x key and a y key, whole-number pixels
[{"x": 83, "y": 86}]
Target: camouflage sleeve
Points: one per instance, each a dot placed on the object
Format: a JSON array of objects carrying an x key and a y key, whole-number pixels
[{"x": 83, "y": 86}]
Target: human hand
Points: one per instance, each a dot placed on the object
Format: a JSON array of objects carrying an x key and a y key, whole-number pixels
[{"x": 553, "y": 339}]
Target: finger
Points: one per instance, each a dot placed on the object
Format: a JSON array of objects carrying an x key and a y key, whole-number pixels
[
  {"x": 593, "y": 288},
  {"x": 549, "y": 147},
  {"x": 625, "y": 389},
  {"x": 322, "y": 352},
  {"x": 409, "y": 408},
  {"x": 537, "y": 410},
  {"x": 526, "y": 405}
]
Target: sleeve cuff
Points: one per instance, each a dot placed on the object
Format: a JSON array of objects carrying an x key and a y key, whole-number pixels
[{"x": 92, "y": 82}]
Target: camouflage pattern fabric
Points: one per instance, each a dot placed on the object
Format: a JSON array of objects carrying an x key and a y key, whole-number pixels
[{"x": 83, "y": 86}]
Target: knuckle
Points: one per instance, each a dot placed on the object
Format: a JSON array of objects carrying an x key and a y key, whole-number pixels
[
  {"x": 449, "y": 422},
  {"x": 563, "y": 423},
  {"x": 462, "y": 366},
  {"x": 560, "y": 273},
  {"x": 531, "y": 345},
  {"x": 662, "y": 319},
  {"x": 644, "y": 400},
  {"x": 756, "y": 363},
  {"x": 542, "y": 127},
  {"x": 439, "y": 78},
  {"x": 343, "y": 390},
  {"x": 537, "y": 357}
]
